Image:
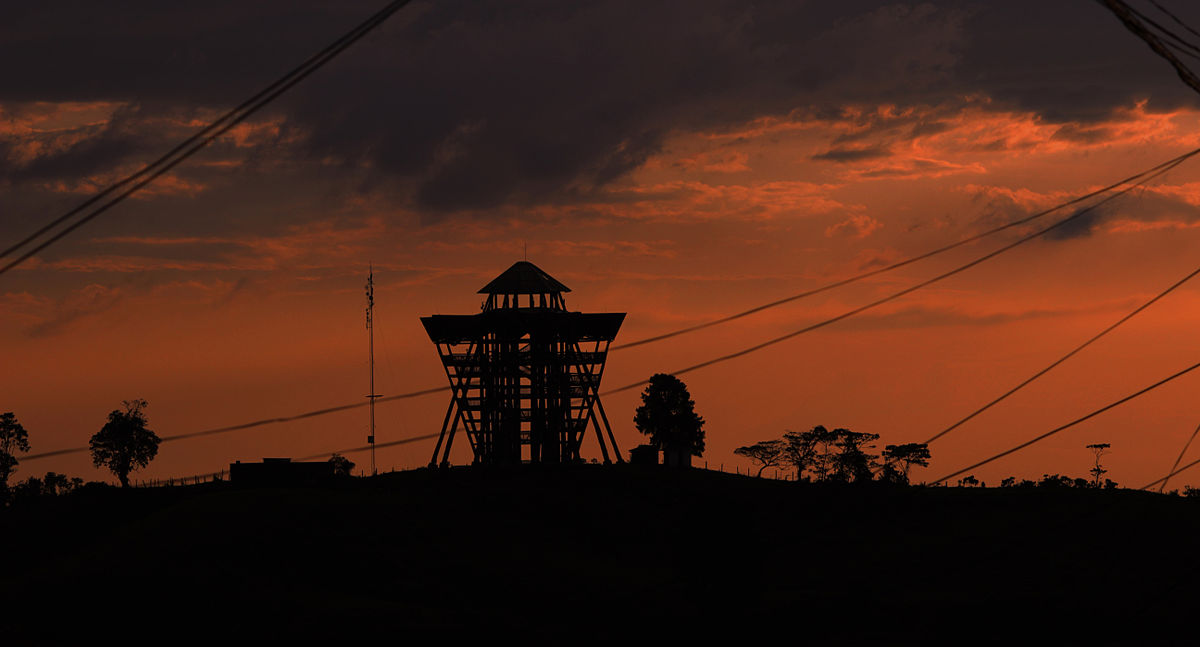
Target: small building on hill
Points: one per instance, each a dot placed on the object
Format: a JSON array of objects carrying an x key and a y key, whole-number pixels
[
  {"x": 644, "y": 455},
  {"x": 671, "y": 457},
  {"x": 677, "y": 457}
]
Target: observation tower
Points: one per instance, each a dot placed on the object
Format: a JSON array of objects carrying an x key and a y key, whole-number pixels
[{"x": 524, "y": 373}]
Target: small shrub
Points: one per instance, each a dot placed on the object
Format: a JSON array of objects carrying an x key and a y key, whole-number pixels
[{"x": 1055, "y": 481}]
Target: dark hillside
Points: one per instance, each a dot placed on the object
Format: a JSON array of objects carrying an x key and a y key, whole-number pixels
[{"x": 576, "y": 554}]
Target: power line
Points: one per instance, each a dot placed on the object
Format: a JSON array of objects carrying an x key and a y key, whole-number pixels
[
  {"x": 903, "y": 263},
  {"x": 363, "y": 448},
  {"x": 1064, "y": 358},
  {"x": 914, "y": 288},
  {"x": 1174, "y": 17},
  {"x": 204, "y": 137},
  {"x": 199, "y": 140},
  {"x": 1174, "y": 471},
  {"x": 1176, "y": 41},
  {"x": 256, "y": 423},
  {"x": 191, "y": 140},
  {"x": 1128, "y": 17},
  {"x": 1139, "y": 179},
  {"x": 352, "y": 450},
  {"x": 1071, "y": 424},
  {"x": 1177, "y": 459}
]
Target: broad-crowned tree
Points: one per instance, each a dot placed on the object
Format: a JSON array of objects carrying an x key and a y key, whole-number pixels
[
  {"x": 800, "y": 451},
  {"x": 812, "y": 450},
  {"x": 853, "y": 464},
  {"x": 124, "y": 444},
  {"x": 766, "y": 453},
  {"x": 899, "y": 459}
]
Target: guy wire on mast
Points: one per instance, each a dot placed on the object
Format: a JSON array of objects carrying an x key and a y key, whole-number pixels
[{"x": 372, "y": 395}]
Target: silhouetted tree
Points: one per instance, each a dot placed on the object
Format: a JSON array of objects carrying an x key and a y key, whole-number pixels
[
  {"x": 890, "y": 473},
  {"x": 968, "y": 481},
  {"x": 799, "y": 451},
  {"x": 55, "y": 484},
  {"x": 30, "y": 488},
  {"x": 899, "y": 459},
  {"x": 837, "y": 455},
  {"x": 853, "y": 464},
  {"x": 1098, "y": 449},
  {"x": 124, "y": 443},
  {"x": 667, "y": 415},
  {"x": 341, "y": 465},
  {"x": 767, "y": 453},
  {"x": 821, "y": 443},
  {"x": 13, "y": 439},
  {"x": 52, "y": 484}
]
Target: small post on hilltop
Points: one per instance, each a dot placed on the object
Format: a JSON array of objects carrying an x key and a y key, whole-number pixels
[{"x": 372, "y": 395}]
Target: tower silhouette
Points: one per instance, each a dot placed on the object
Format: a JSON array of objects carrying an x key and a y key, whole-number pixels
[{"x": 524, "y": 373}]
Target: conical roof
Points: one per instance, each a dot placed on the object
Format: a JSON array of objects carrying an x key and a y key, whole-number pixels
[{"x": 524, "y": 278}]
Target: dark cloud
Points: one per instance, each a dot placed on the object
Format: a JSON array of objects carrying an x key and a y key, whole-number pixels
[
  {"x": 927, "y": 128},
  {"x": 94, "y": 148},
  {"x": 468, "y": 105},
  {"x": 914, "y": 168},
  {"x": 89, "y": 301},
  {"x": 1148, "y": 206},
  {"x": 154, "y": 53},
  {"x": 1082, "y": 226},
  {"x": 1078, "y": 134},
  {"x": 1140, "y": 205},
  {"x": 853, "y": 154},
  {"x": 997, "y": 207},
  {"x": 566, "y": 102},
  {"x": 1065, "y": 61}
]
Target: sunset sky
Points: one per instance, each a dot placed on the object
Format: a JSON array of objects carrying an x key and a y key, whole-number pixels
[{"x": 675, "y": 161}]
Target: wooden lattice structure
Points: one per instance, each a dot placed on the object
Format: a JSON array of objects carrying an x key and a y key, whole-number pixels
[{"x": 525, "y": 373}]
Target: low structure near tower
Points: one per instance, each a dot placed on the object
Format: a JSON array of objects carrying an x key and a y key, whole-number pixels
[{"x": 525, "y": 373}]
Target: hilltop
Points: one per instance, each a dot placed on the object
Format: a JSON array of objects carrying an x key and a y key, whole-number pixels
[{"x": 579, "y": 553}]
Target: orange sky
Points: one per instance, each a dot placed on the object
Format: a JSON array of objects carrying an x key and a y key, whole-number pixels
[{"x": 215, "y": 323}]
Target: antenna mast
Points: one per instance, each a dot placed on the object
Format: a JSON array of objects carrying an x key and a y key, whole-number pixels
[{"x": 371, "y": 353}]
